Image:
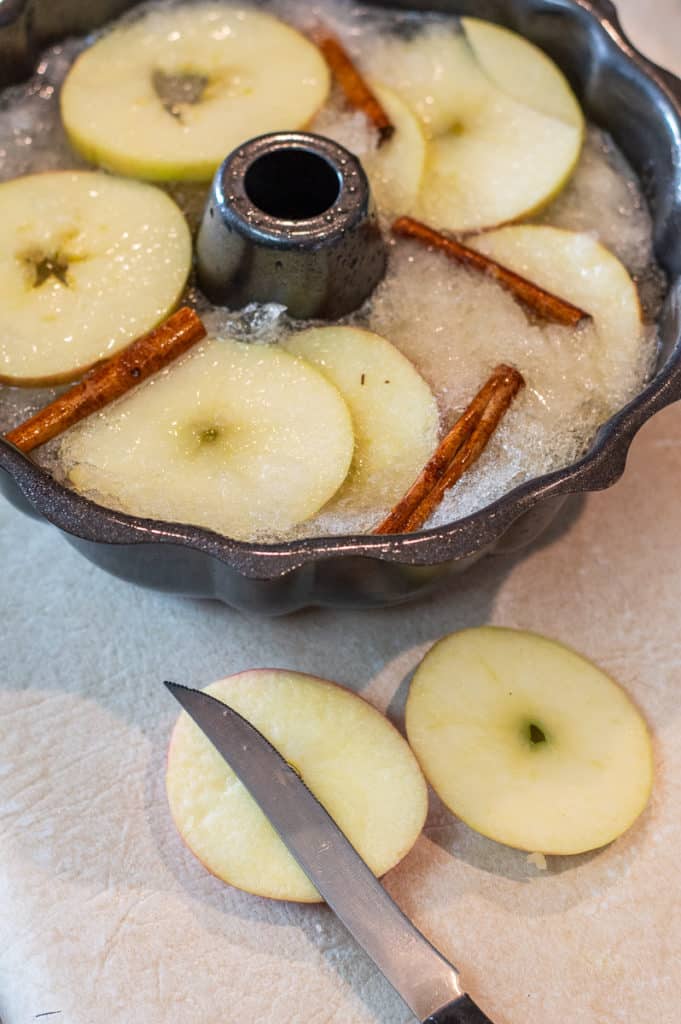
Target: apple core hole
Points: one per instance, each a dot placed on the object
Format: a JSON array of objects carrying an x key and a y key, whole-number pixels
[
  {"x": 536, "y": 734},
  {"x": 292, "y": 184},
  {"x": 209, "y": 435},
  {"x": 178, "y": 90},
  {"x": 42, "y": 268}
]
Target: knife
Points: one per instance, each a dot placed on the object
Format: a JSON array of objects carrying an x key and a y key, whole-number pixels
[{"x": 421, "y": 975}]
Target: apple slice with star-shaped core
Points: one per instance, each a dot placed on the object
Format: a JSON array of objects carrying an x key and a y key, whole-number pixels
[
  {"x": 168, "y": 95},
  {"x": 394, "y": 412},
  {"x": 87, "y": 263},
  {"x": 528, "y": 742},
  {"x": 492, "y": 155},
  {"x": 348, "y": 754},
  {"x": 243, "y": 439},
  {"x": 577, "y": 268}
]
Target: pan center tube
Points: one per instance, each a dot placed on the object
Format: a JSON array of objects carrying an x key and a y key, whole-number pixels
[{"x": 290, "y": 219}]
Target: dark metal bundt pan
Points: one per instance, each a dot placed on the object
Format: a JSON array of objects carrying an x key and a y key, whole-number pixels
[{"x": 640, "y": 104}]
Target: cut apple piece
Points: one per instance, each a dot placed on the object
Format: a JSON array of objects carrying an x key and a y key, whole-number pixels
[
  {"x": 87, "y": 263},
  {"x": 502, "y": 161},
  {"x": 395, "y": 169},
  {"x": 537, "y": 299},
  {"x": 521, "y": 70},
  {"x": 243, "y": 439},
  {"x": 170, "y": 94},
  {"x": 578, "y": 269},
  {"x": 394, "y": 412},
  {"x": 491, "y": 158},
  {"x": 527, "y": 742},
  {"x": 436, "y": 74},
  {"x": 348, "y": 754}
]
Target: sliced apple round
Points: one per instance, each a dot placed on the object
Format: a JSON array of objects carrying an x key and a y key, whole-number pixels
[
  {"x": 435, "y": 72},
  {"x": 170, "y": 94},
  {"x": 87, "y": 263},
  {"x": 394, "y": 412},
  {"x": 243, "y": 439},
  {"x": 521, "y": 70},
  {"x": 580, "y": 270},
  {"x": 492, "y": 155},
  {"x": 348, "y": 754},
  {"x": 396, "y": 168},
  {"x": 501, "y": 161},
  {"x": 527, "y": 742}
]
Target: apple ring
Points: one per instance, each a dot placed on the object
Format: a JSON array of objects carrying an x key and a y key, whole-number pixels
[{"x": 169, "y": 95}]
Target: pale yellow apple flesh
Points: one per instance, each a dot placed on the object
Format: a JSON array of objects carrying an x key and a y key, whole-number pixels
[
  {"x": 243, "y": 439},
  {"x": 87, "y": 263},
  {"x": 504, "y": 162},
  {"x": 435, "y": 73},
  {"x": 394, "y": 412},
  {"x": 255, "y": 74},
  {"x": 348, "y": 754},
  {"x": 577, "y": 268},
  {"x": 396, "y": 168},
  {"x": 492, "y": 156},
  {"x": 521, "y": 70},
  {"x": 527, "y": 742}
]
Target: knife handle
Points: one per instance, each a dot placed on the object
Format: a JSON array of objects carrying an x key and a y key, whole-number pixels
[{"x": 461, "y": 1011}]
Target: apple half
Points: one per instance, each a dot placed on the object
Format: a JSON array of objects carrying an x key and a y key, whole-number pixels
[
  {"x": 88, "y": 262},
  {"x": 495, "y": 152},
  {"x": 394, "y": 412},
  {"x": 527, "y": 742},
  {"x": 347, "y": 753},
  {"x": 167, "y": 96},
  {"x": 243, "y": 439}
]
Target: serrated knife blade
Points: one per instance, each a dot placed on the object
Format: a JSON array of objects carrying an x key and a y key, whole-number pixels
[{"x": 420, "y": 974}]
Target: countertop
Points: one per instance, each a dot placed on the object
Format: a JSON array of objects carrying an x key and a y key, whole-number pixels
[{"x": 105, "y": 916}]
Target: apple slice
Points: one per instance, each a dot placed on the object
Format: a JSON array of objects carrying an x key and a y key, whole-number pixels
[
  {"x": 500, "y": 162},
  {"x": 170, "y": 94},
  {"x": 527, "y": 742},
  {"x": 435, "y": 72},
  {"x": 577, "y": 268},
  {"x": 393, "y": 410},
  {"x": 491, "y": 157},
  {"x": 521, "y": 70},
  {"x": 243, "y": 439},
  {"x": 87, "y": 263},
  {"x": 396, "y": 168},
  {"x": 349, "y": 755}
]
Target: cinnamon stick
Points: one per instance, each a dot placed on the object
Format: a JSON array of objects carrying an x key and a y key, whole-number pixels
[
  {"x": 539, "y": 300},
  {"x": 352, "y": 82},
  {"x": 111, "y": 378},
  {"x": 456, "y": 453}
]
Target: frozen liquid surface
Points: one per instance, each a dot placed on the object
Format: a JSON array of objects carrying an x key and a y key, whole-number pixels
[{"x": 453, "y": 324}]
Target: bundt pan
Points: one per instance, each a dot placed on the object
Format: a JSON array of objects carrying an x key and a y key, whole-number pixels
[{"x": 640, "y": 104}]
